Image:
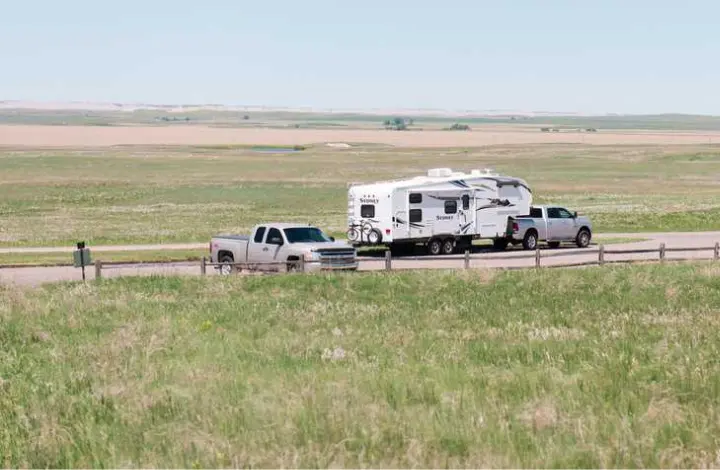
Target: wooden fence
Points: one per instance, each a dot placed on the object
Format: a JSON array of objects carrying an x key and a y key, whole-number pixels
[{"x": 600, "y": 258}]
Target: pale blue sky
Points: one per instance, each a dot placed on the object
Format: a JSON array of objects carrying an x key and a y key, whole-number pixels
[{"x": 632, "y": 56}]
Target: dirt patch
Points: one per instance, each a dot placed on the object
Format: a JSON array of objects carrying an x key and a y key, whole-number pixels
[{"x": 92, "y": 136}]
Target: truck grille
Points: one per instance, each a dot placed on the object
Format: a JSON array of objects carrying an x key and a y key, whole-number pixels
[{"x": 337, "y": 258}]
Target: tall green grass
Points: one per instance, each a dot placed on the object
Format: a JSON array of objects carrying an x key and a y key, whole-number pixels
[{"x": 610, "y": 367}]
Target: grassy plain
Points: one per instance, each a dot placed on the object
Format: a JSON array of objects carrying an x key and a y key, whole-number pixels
[
  {"x": 432, "y": 369},
  {"x": 163, "y": 194}
]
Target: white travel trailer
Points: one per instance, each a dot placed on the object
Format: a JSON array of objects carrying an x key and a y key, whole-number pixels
[{"x": 443, "y": 210}]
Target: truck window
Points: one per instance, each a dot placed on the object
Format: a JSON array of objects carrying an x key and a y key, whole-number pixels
[
  {"x": 259, "y": 235},
  {"x": 553, "y": 213},
  {"x": 564, "y": 214},
  {"x": 273, "y": 233},
  {"x": 305, "y": 235},
  {"x": 367, "y": 211},
  {"x": 466, "y": 202},
  {"x": 450, "y": 207},
  {"x": 415, "y": 198},
  {"x": 536, "y": 213},
  {"x": 415, "y": 215}
]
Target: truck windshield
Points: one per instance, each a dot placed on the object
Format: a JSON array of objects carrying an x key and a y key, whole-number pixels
[{"x": 305, "y": 235}]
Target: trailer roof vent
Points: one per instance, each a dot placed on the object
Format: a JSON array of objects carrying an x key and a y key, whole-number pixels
[
  {"x": 439, "y": 172},
  {"x": 484, "y": 171}
]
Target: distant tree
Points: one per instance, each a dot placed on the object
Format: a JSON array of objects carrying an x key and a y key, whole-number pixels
[
  {"x": 545, "y": 129},
  {"x": 246, "y": 117},
  {"x": 459, "y": 127}
]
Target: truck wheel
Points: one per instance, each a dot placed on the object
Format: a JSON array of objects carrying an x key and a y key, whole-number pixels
[
  {"x": 226, "y": 265},
  {"x": 554, "y": 245},
  {"x": 583, "y": 238},
  {"x": 434, "y": 247},
  {"x": 530, "y": 241},
  {"x": 448, "y": 246},
  {"x": 500, "y": 243},
  {"x": 293, "y": 266}
]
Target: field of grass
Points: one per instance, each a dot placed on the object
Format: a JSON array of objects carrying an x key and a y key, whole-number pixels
[
  {"x": 432, "y": 369},
  {"x": 166, "y": 194}
]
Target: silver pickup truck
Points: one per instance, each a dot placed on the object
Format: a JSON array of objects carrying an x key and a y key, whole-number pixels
[
  {"x": 281, "y": 247},
  {"x": 552, "y": 224}
]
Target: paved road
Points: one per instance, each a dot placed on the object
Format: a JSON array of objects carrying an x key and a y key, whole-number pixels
[{"x": 483, "y": 258}]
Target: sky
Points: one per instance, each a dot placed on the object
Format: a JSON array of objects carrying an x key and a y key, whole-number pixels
[{"x": 631, "y": 56}]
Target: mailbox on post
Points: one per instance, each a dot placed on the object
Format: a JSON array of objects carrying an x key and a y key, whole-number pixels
[{"x": 81, "y": 257}]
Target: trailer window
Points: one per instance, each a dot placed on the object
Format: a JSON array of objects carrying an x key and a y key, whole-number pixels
[
  {"x": 466, "y": 202},
  {"x": 450, "y": 207},
  {"x": 415, "y": 198},
  {"x": 415, "y": 215},
  {"x": 367, "y": 211},
  {"x": 259, "y": 235}
]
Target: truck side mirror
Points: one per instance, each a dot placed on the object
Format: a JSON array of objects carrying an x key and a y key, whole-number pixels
[
  {"x": 332, "y": 239},
  {"x": 276, "y": 241},
  {"x": 575, "y": 215}
]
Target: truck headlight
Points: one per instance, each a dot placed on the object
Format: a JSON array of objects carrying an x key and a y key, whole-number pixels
[{"x": 312, "y": 256}]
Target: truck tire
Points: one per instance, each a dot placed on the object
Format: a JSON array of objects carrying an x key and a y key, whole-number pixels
[
  {"x": 448, "y": 246},
  {"x": 583, "y": 238},
  {"x": 500, "y": 243},
  {"x": 530, "y": 240},
  {"x": 434, "y": 247},
  {"x": 554, "y": 245},
  {"x": 293, "y": 265},
  {"x": 226, "y": 268}
]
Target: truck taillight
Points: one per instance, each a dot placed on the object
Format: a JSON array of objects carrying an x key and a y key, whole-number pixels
[
  {"x": 515, "y": 227},
  {"x": 387, "y": 231}
]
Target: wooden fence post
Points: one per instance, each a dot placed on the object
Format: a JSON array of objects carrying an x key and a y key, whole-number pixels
[
  {"x": 203, "y": 266},
  {"x": 98, "y": 269},
  {"x": 662, "y": 252},
  {"x": 301, "y": 264},
  {"x": 717, "y": 251},
  {"x": 467, "y": 259},
  {"x": 537, "y": 257},
  {"x": 601, "y": 255},
  {"x": 388, "y": 260}
]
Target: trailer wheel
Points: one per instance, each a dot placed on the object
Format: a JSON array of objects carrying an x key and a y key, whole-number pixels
[
  {"x": 374, "y": 236},
  {"x": 530, "y": 240},
  {"x": 434, "y": 247},
  {"x": 448, "y": 246}
]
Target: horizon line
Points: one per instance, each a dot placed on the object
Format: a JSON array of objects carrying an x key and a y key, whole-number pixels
[{"x": 129, "y": 106}]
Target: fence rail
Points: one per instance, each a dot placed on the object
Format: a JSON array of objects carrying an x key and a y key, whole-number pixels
[{"x": 466, "y": 260}]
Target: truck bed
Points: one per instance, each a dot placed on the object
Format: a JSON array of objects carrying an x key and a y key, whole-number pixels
[{"x": 244, "y": 238}]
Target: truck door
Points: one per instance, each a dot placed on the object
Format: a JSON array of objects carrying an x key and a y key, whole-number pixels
[
  {"x": 560, "y": 225},
  {"x": 254, "y": 247},
  {"x": 259, "y": 252},
  {"x": 273, "y": 244}
]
